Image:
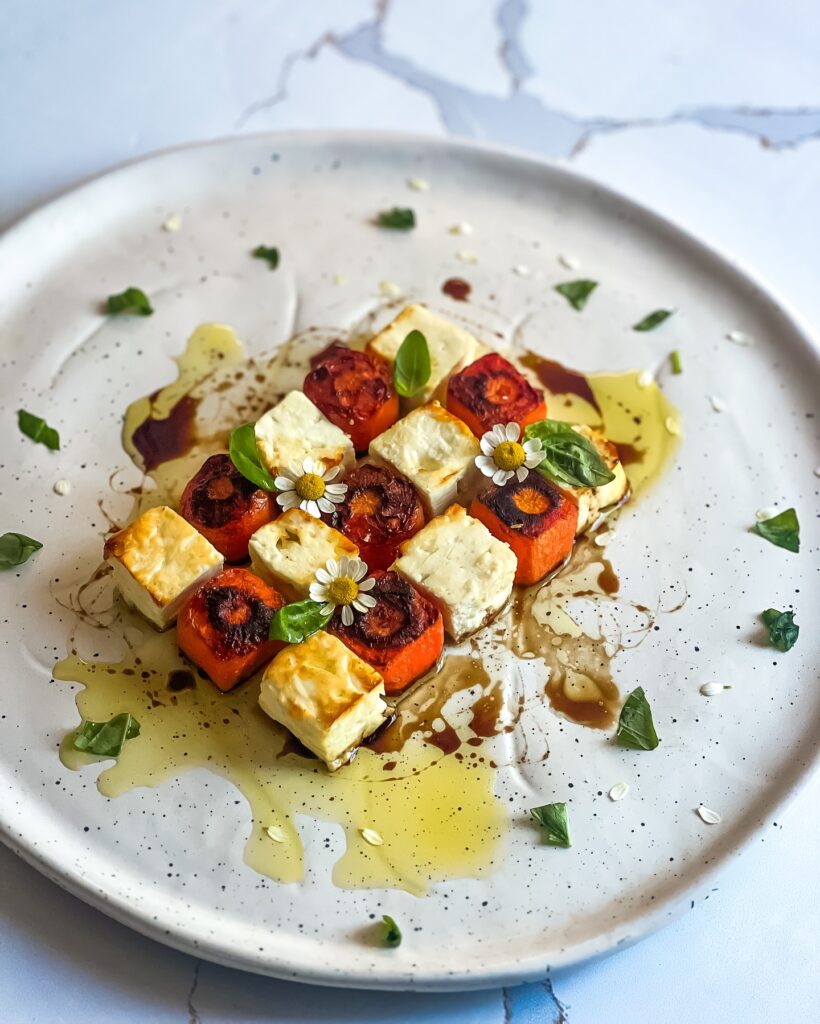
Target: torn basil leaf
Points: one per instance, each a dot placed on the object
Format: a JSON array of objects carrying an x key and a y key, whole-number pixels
[
  {"x": 106, "y": 739},
  {"x": 16, "y": 548},
  {"x": 297, "y": 621},
  {"x": 783, "y": 630},
  {"x": 37, "y": 429},
  {"x": 553, "y": 820},
  {"x": 569, "y": 457},
  {"x": 390, "y": 932},
  {"x": 577, "y": 292},
  {"x": 411, "y": 367},
  {"x": 245, "y": 456},
  {"x": 131, "y": 302},
  {"x": 636, "y": 729},
  {"x": 653, "y": 320},
  {"x": 269, "y": 253},
  {"x": 782, "y": 530},
  {"x": 400, "y": 218}
]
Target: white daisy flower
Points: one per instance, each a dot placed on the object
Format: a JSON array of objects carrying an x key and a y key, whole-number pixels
[
  {"x": 309, "y": 488},
  {"x": 505, "y": 457},
  {"x": 343, "y": 583}
]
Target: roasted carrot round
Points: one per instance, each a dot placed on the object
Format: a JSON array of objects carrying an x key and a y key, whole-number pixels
[
  {"x": 226, "y": 507},
  {"x": 355, "y": 391},
  {"x": 491, "y": 391},
  {"x": 402, "y": 636},
  {"x": 535, "y": 518},
  {"x": 224, "y": 626}
]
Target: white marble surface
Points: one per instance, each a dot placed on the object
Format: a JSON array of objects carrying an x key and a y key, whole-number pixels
[{"x": 708, "y": 111}]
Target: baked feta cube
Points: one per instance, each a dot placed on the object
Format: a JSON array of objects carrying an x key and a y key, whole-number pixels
[
  {"x": 436, "y": 452},
  {"x": 451, "y": 348},
  {"x": 158, "y": 562},
  {"x": 325, "y": 695},
  {"x": 592, "y": 500},
  {"x": 287, "y": 552},
  {"x": 462, "y": 568},
  {"x": 295, "y": 429}
]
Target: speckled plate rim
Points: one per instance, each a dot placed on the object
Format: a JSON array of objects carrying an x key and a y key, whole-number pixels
[{"x": 780, "y": 795}]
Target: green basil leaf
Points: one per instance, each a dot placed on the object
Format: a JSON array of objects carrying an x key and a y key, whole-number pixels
[
  {"x": 131, "y": 302},
  {"x": 783, "y": 630},
  {"x": 674, "y": 359},
  {"x": 269, "y": 253},
  {"x": 37, "y": 429},
  {"x": 400, "y": 218},
  {"x": 411, "y": 368},
  {"x": 16, "y": 548},
  {"x": 297, "y": 621},
  {"x": 635, "y": 726},
  {"x": 782, "y": 530},
  {"x": 569, "y": 458},
  {"x": 653, "y": 320},
  {"x": 106, "y": 739},
  {"x": 554, "y": 822},
  {"x": 391, "y": 933},
  {"x": 245, "y": 456},
  {"x": 577, "y": 292}
]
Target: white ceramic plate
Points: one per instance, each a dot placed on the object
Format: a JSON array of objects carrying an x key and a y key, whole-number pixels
[{"x": 634, "y": 864}]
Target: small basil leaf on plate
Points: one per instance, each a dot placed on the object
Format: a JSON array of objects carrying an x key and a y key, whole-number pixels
[
  {"x": 636, "y": 729},
  {"x": 783, "y": 630},
  {"x": 653, "y": 320},
  {"x": 569, "y": 457},
  {"x": 390, "y": 932},
  {"x": 674, "y": 359},
  {"x": 577, "y": 292},
  {"x": 269, "y": 253},
  {"x": 37, "y": 429},
  {"x": 297, "y": 621},
  {"x": 400, "y": 218},
  {"x": 245, "y": 456},
  {"x": 553, "y": 820},
  {"x": 106, "y": 739},
  {"x": 782, "y": 530},
  {"x": 411, "y": 368},
  {"x": 131, "y": 302},
  {"x": 16, "y": 548}
]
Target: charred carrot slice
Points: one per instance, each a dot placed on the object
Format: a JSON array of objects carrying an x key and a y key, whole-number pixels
[
  {"x": 491, "y": 391},
  {"x": 380, "y": 511},
  {"x": 535, "y": 518},
  {"x": 355, "y": 391},
  {"x": 402, "y": 636},
  {"x": 224, "y": 626},
  {"x": 225, "y": 507}
]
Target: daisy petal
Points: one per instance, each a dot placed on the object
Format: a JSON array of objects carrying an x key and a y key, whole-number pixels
[
  {"x": 522, "y": 473},
  {"x": 347, "y": 615},
  {"x": 499, "y": 433},
  {"x": 512, "y": 431},
  {"x": 485, "y": 464},
  {"x": 332, "y": 473},
  {"x": 311, "y": 508},
  {"x": 284, "y": 483},
  {"x": 364, "y": 601},
  {"x": 358, "y": 569},
  {"x": 501, "y": 476},
  {"x": 534, "y": 460},
  {"x": 332, "y": 567},
  {"x": 308, "y": 465},
  {"x": 324, "y": 505},
  {"x": 487, "y": 444},
  {"x": 366, "y": 585},
  {"x": 339, "y": 489},
  {"x": 287, "y": 500},
  {"x": 318, "y": 593},
  {"x": 323, "y": 576},
  {"x": 328, "y": 608},
  {"x": 533, "y": 445}
]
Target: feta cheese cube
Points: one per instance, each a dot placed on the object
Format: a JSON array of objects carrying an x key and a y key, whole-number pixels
[
  {"x": 592, "y": 500},
  {"x": 436, "y": 451},
  {"x": 451, "y": 348},
  {"x": 462, "y": 568},
  {"x": 287, "y": 552},
  {"x": 325, "y": 695},
  {"x": 294, "y": 429},
  {"x": 158, "y": 562}
]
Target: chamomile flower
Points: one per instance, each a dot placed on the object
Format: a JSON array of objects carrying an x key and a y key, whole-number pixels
[
  {"x": 309, "y": 488},
  {"x": 342, "y": 583},
  {"x": 505, "y": 457}
]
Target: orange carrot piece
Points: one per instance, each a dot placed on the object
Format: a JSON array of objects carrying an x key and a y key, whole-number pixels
[{"x": 491, "y": 390}]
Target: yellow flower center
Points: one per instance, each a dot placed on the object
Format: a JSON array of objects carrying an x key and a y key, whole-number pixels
[
  {"x": 509, "y": 455},
  {"x": 310, "y": 487},
  {"x": 343, "y": 590}
]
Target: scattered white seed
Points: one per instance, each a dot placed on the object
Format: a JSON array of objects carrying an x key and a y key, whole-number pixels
[
  {"x": 766, "y": 513},
  {"x": 339, "y": 279},
  {"x": 645, "y": 379},
  {"x": 570, "y": 262},
  {"x": 672, "y": 426},
  {"x": 522, "y": 270},
  {"x": 418, "y": 184},
  {"x": 738, "y": 337},
  {"x": 62, "y": 487},
  {"x": 710, "y": 817},
  {"x": 467, "y": 256},
  {"x": 172, "y": 223},
  {"x": 276, "y": 834},
  {"x": 604, "y": 537},
  {"x": 462, "y": 228},
  {"x": 370, "y": 835},
  {"x": 712, "y": 689},
  {"x": 619, "y": 791},
  {"x": 389, "y": 288},
  {"x": 717, "y": 403},
  {"x": 817, "y": 470}
]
